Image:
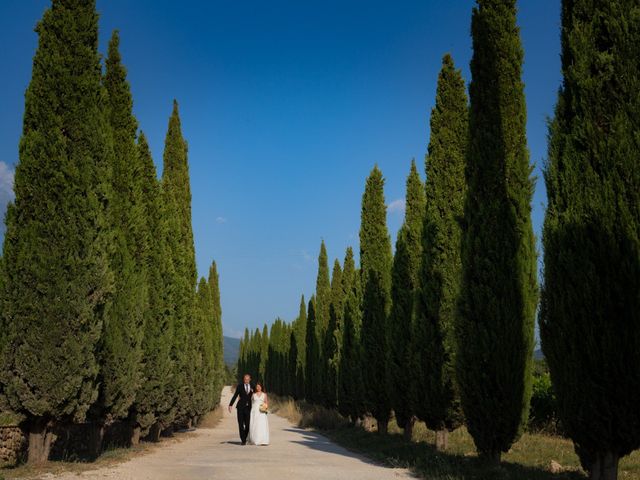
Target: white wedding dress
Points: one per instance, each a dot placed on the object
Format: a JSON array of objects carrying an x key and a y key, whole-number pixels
[{"x": 259, "y": 424}]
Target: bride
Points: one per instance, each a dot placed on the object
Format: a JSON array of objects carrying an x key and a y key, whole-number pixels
[{"x": 259, "y": 425}]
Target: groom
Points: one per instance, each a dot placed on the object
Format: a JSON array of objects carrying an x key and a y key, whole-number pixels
[{"x": 243, "y": 393}]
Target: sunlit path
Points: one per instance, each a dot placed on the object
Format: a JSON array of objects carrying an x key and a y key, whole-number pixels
[{"x": 217, "y": 454}]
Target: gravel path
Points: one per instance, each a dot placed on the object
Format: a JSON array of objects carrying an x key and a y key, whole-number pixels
[{"x": 216, "y": 454}]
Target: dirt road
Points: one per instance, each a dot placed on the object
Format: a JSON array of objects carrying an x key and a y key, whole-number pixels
[{"x": 216, "y": 454}]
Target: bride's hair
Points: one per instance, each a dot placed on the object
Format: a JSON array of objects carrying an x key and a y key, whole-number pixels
[{"x": 261, "y": 385}]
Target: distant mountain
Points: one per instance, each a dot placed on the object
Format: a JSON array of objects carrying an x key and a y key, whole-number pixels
[
  {"x": 537, "y": 354},
  {"x": 231, "y": 350}
]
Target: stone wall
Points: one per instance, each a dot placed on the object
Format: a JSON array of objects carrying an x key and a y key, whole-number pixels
[{"x": 13, "y": 446}]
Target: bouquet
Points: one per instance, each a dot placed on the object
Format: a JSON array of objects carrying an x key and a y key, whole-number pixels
[{"x": 264, "y": 408}]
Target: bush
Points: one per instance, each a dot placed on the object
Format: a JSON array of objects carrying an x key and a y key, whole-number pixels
[{"x": 543, "y": 412}]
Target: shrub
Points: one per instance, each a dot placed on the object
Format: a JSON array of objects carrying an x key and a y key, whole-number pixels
[{"x": 542, "y": 415}]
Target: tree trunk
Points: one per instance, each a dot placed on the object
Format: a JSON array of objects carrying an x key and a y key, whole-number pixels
[
  {"x": 41, "y": 437},
  {"x": 492, "y": 458},
  {"x": 95, "y": 441},
  {"x": 408, "y": 429},
  {"x": 154, "y": 432},
  {"x": 383, "y": 426},
  {"x": 367, "y": 423},
  {"x": 442, "y": 441},
  {"x": 135, "y": 434},
  {"x": 604, "y": 467}
]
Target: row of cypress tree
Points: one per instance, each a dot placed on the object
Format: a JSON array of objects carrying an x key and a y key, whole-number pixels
[
  {"x": 101, "y": 318},
  {"x": 443, "y": 331}
]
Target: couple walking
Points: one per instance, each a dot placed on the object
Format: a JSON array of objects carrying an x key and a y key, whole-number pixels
[{"x": 252, "y": 412}]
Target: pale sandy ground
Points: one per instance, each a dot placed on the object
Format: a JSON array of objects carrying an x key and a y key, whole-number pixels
[{"x": 216, "y": 454}]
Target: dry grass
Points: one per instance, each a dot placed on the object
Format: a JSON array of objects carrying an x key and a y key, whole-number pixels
[
  {"x": 211, "y": 419},
  {"x": 307, "y": 415},
  {"x": 528, "y": 459}
]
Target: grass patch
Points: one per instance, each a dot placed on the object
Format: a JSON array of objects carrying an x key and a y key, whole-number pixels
[
  {"x": 528, "y": 459},
  {"x": 211, "y": 419}
]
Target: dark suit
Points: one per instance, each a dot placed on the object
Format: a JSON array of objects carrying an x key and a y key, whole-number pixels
[{"x": 244, "y": 409}]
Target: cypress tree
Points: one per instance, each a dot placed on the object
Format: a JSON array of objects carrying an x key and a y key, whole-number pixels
[
  {"x": 263, "y": 347},
  {"x": 121, "y": 346},
  {"x": 322, "y": 308},
  {"x": 323, "y": 291},
  {"x": 350, "y": 380},
  {"x": 404, "y": 290},
  {"x": 155, "y": 400},
  {"x": 499, "y": 285},
  {"x": 332, "y": 338},
  {"x": 375, "y": 276},
  {"x": 300, "y": 332},
  {"x": 177, "y": 198},
  {"x": 590, "y": 311},
  {"x": 204, "y": 358},
  {"x": 219, "y": 367},
  {"x": 439, "y": 402},
  {"x": 57, "y": 278},
  {"x": 312, "y": 356}
]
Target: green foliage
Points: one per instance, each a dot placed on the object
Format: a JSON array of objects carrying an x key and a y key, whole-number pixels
[
  {"x": 177, "y": 199},
  {"x": 155, "y": 399},
  {"x": 499, "y": 282},
  {"x": 590, "y": 311},
  {"x": 375, "y": 276},
  {"x": 543, "y": 411},
  {"x": 121, "y": 346},
  {"x": 350, "y": 378},
  {"x": 332, "y": 338},
  {"x": 312, "y": 384},
  {"x": 323, "y": 292},
  {"x": 404, "y": 290},
  {"x": 322, "y": 311},
  {"x": 11, "y": 419},
  {"x": 277, "y": 370},
  {"x": 56, "y": 274},
  {"x": 217, "y": 338},
  {"x": 439, "y": 403},
  {"x": 300, "y": 333}
]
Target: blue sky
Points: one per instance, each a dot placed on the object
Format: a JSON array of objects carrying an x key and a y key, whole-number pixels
[{"x": 286, "y": 107}]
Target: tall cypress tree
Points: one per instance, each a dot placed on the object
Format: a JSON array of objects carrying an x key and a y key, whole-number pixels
[
  {"x": 323, "y": 291},
  {"x": 332, "y": 338},
  {"x": 263, "y": 347},
  {"x": 499, "y": 284},
  {"x": 201, "y": 340},
  {"x": 155, "y": 400},
  {"x": 322, "y": 307},
  {"x": 121, "y": 346},
  {"x": 375, "y": 276},
  {"x": 439, "y": 402},
  {"x": 219, "y": 367},
  {"x": 312, "y": 356},
  {"x": 57, "y": 278},
  {"x": 590, "y": 311},
  {"x": 300, "y": 332},
  {"x": 350, "y": 379},
  {"x": 177, "y": 198},
  {"x": 404, "y": 290}
]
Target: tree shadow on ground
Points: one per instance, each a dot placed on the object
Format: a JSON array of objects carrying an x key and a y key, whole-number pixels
[{"x": 422, "y": 458}]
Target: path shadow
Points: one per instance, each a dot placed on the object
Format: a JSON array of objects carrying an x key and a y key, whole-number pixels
[
  {"x": 231, "y": 442},
  {"x": 317, "y": 441},
  {"x": 393, "y": 451}
]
